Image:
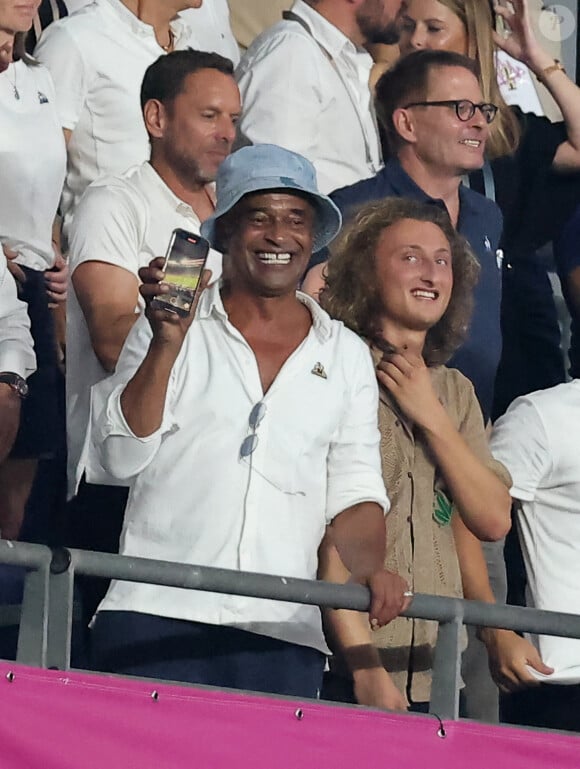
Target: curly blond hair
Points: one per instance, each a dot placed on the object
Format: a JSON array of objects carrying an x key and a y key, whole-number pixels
[{"x": 352, "y": 294}]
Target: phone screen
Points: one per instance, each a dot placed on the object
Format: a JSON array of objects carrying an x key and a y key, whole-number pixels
[{"x": 184, "y": 263}]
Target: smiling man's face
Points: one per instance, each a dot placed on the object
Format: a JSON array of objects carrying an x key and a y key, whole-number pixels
[
  {"x": 271, "y": 242},
  {"x": 444, "y": 143}
]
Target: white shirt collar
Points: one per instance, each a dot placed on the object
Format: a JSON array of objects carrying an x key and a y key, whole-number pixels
[
  {"x": 178, "y": 26},
  {"x": 179, "y": 205},
  {"x": 324, "y": 32},
  {"x": 211, "y": 303}
]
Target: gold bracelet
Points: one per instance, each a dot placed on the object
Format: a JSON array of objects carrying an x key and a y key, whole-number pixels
[{"x": 557, "y": 66}]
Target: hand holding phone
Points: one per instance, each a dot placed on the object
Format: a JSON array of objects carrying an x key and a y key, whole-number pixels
[{"x": 183, "y": 267}]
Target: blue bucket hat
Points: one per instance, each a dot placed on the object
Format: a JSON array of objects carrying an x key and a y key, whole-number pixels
[{"x": 263, "y": 167}]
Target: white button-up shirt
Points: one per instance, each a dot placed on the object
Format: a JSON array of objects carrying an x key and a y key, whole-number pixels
[
  {"x": 310, "y": 93},
  {"x": 97, "y": 58},
  {"x": 125, "y": 221},
  {"x": 16, "y": 346},
  {"x": 194, "y": 499}
]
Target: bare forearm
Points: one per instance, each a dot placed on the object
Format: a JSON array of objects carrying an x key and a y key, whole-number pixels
[
  {"x": 143, "y": 399},
  {"x": 565, "y": 92},
  {"x": 481, "y": 498},
  {"x": 348, "y": 632},
  {"x": 359, "y": 536}
]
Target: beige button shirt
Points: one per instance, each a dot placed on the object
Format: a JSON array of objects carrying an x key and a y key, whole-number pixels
[{"x": 418, "y": 548}]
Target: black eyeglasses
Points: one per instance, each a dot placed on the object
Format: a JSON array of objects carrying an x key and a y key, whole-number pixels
[{"x": 464, "y": 108}]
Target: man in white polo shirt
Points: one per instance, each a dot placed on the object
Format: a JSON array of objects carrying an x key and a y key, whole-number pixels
[
  {"x": 97, "y": 58},
  {"x": 305, "y": 86},
  {"x": 248, "y": 432},
  {"x": 190, "y": 104},
  {"x": 538, "y": 440}
]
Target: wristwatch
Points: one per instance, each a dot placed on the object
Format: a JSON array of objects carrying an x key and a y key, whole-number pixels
[{"x": 16, "y": 382}]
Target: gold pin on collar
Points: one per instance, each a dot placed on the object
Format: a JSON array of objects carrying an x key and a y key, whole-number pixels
[{"x": 318, "y": 370}]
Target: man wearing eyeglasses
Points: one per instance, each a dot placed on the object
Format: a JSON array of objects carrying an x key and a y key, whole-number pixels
[
  {"x": 248, "y": 434},
  {"x": 433, "y": 113},
  {"x": 436, "y": 121}
]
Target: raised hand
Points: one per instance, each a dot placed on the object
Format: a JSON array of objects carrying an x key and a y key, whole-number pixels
[
  {"x": 520, "y": 41},
  {"x": 408, "y": 380},
  {"x": 168, "y": 327}
]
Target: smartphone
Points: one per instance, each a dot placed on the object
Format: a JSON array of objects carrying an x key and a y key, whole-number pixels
[{"x": 184, "y": 263}]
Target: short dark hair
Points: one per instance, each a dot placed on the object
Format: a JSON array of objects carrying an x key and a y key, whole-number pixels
[
  {"x": 164, "y": 79},
  {"x": 408, "y": 80},
  {"x": 352, "y": 293}
]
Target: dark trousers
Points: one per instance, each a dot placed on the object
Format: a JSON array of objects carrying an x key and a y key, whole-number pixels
[
  {"x": 547, "y": 706},
  {"x": 94, "y": 522},
  {"x": 131, "y": 643}
]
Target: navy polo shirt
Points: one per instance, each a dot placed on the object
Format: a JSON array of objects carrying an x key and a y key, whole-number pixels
[
  {"x": 480, "y": 223},
  {"x": 567, "y": 256}
]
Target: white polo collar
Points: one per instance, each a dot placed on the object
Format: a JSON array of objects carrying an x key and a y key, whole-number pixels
[{"x": 177, "y": 204}]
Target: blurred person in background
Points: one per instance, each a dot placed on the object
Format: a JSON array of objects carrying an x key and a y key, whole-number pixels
[
  {"x": 305, "y": 86},
  {"x": 97, "y": 58},
  {"x": 33, "y": 161}
]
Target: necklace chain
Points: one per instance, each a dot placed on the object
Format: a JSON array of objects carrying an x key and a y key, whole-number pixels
[{"x": 13, "y": 84}]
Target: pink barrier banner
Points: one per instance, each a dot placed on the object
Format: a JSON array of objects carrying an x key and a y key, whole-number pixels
[{"x": 53, "y": 720}]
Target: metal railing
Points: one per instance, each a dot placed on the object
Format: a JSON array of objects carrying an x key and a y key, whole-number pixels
[{"x": 47, "y": 607}]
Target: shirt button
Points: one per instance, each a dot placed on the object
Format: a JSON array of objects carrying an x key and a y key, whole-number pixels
[
  {"x": 409, "y": 474},
  {"x": 409, "y": 518},
  {"x": 397, "y": 423}
]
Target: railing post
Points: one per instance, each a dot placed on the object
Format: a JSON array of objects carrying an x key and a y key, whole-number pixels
[
  {"x": 447, "y": 670},
  {"x": 33, "y": 633},
  {"x": 61, "y": 593}
]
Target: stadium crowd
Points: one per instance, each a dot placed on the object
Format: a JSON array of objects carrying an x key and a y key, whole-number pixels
[{"x": 370, "y": 383}]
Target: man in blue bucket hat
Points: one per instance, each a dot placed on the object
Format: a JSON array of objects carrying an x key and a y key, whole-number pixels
[{"x": 248, "y": 432}]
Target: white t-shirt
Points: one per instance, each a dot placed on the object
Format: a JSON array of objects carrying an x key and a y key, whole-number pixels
[
  {"x": 195, "y": 500},
  {"x": 97, "y": 58},
  {"x": 538, "y": 440},
  {"x": 125, "y": 221},
  {"x": 32, "y": 163},
  {"x": 310, "y": 94},
  {"x": 210, "y": 29}
]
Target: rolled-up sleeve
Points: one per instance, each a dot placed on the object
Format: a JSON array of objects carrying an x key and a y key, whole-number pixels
[
  {"x": 113, "y": 445},
  {"x": 354, "y": 464},
  {"x": 16, "y": 345}
]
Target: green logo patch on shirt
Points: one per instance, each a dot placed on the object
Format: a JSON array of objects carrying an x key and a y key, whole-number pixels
[{"x": 442, "y": 508}]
